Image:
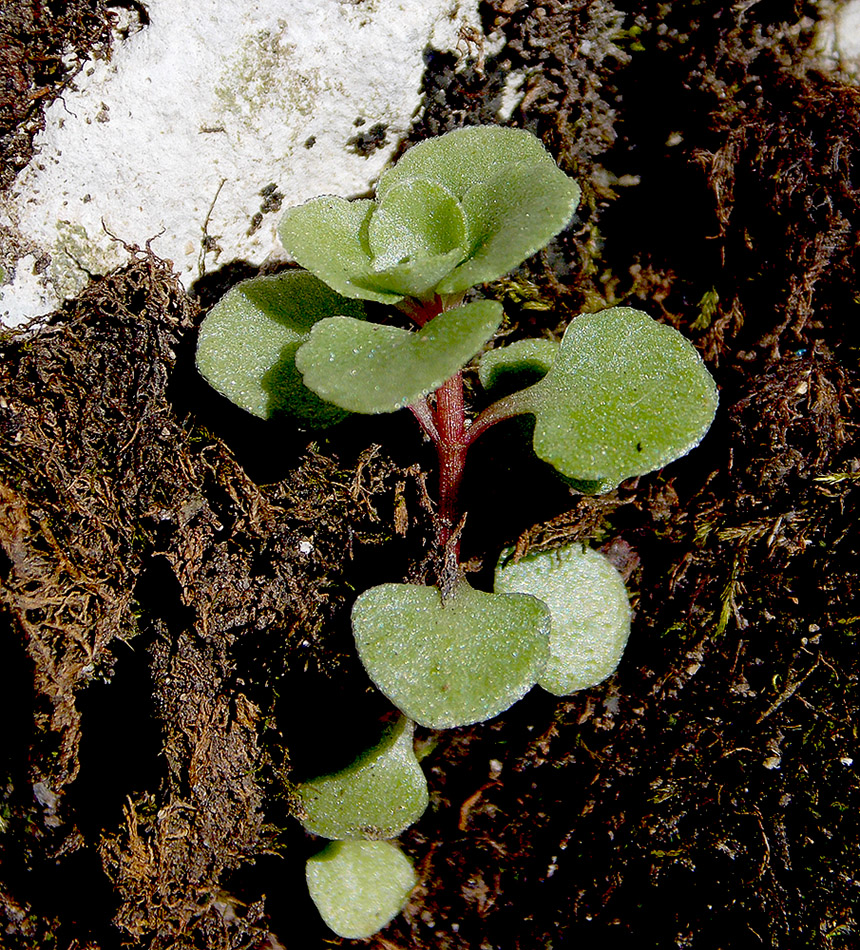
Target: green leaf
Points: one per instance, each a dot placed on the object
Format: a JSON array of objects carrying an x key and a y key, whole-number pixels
[
  {"x": 453, "y": 663},
  {"x": 381, "y": 794},
  {"x": 367, "y": 367},
  {"x": 512, "y": 216},
  {"x": 508, "y": 368},
  {"x": 416, "y": 220},
  {"x": 248, "y": 341},
  {"x": 461, "y": 159},
  {"x": 328, "y": 237},
  {"x": 455, "y": 211},
  {"x": 626, "y": 396},
  {"x": 359, "y": 886},
  {"x": 590, "y": 612},
  {"x": 418, "y": 278}
]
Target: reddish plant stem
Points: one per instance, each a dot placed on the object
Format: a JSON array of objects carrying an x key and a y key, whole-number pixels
[{"x": 451, "y": 448}]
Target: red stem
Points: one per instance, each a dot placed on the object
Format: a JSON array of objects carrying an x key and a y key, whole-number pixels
[{"x": 451, "y": 447}]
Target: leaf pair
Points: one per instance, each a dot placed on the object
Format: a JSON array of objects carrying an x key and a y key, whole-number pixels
[
  {"x": 361, "y": 881},
  {"x": 456, "y": 211},
  {"x": 559, "y": 619},
  {"x": 287, "y": 344}
]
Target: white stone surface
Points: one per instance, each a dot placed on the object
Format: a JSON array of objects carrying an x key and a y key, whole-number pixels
[
  {"x": 838, "y": 39},
  {"x": 195, "y": 115}
]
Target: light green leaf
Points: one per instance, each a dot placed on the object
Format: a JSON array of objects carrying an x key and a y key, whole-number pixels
[
  {"x": 520, "y": 364},
  {"x": 248, "y": 341},
  {"x": 359, "y": 886},
  {"x": 511, "y": 217},
  {"x": 418, "y": 278},
  {"x": 416, "y": 220},
  {"x": 590, "y": 612},
  {"x": 625, "y": 396},
  {"x": 450, "y": 664},
  {"x": 367, "y": 367},
  {"x": 461, "y": 159},
  {"x": 328, "y": 237},
  {"x": 381, "y": 794}
]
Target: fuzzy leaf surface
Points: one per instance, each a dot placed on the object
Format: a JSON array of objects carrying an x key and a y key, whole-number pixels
[
  {"x": 512, "y": 216},
  {"x": 625, "y": 396},
  {"x": 359, "y": 886},
  {"x": 590, "y": 612},
  {"x": 450, "y": 664},
  {"x": 329, "y": 237},
  {"x": 461, "y": 159},
  {"x": 248, "y": 341},
  {"x": 378, "y": 796},
  {"x": 370, "y": 368},
  {"x": 415, "y": 220}
]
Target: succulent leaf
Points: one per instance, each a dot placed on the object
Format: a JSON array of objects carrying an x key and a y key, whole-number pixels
[
  {"x": 359, "y": 886},
  {"x": 512, "y": 216},
  {"x": 461, "y": 159},
  {"x": 328, "y": 237},
  {"x": 625, "y": 396},
  {"x": 455, "y": 211},
  {"x": 590, "y": 612},
  {"x": 453, "y": 663},
  {"x": 416, "y": 220},
  {"x": 370, "y": 368},
  {"x": 378, "y": 796},
  {"x": 248, "y": 341}
]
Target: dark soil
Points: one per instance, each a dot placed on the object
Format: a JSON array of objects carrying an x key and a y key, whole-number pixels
[{"x": 177, "y": 578}]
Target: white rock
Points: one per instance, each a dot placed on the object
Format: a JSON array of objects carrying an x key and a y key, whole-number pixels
[
  {"x": 199, "y": 112},
  {"x": 838, "y": 36}
]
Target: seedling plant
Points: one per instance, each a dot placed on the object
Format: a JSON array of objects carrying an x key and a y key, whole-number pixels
[{"x": 619, "y": 396}]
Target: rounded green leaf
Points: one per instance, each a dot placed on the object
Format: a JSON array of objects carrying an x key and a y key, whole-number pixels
[
  {"x": 328, "y": 237},
  {"x": 512, "y": 216},
  {"x": 463, "y": 158},
  {"x": 247, "y": 344},
  {"x": 368, "y": 367},
  {"x": 381, "y": 794},
  {"x": 625, "y": 396},
  {"x": 359, "y": 886},
  {"x": 517, "y": 365},
  {"x": 590, "y": 612},
  {"x": 416, "y": 220},
  {"x": 453, "y": 663}
]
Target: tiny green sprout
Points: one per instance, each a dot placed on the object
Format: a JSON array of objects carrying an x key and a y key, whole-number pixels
[{"x": 620, "y": 396}]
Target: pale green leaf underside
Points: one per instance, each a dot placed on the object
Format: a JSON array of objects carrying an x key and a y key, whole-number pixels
[
  {"x": 512, "y": 216},
  {"x": 328, "y": 237},
  {"x": 359, "y": 886},
  {"x": 516, "y": 365},
  {"x": 625, "y": 396},
  {"x": 380, "y": 795},
  {"x": 248, "y": 341},
  {"x": 370, "y": 368},
  {"x": 453, "y": 664},
  {"x": 590, "y": 612}
]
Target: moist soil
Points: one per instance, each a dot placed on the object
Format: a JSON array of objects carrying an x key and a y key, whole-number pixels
[{"x": 177, "y": 577}]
